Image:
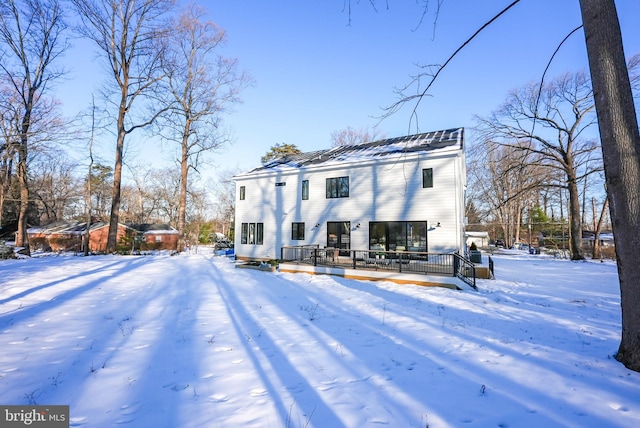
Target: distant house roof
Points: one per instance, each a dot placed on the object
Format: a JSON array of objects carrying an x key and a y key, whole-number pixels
[
  {"x": 55, "y": 227},
  {"x": 472, "y": 234},
  {"x": 66, "y": 227},
  {"x": 590, "y": 235},
  {"x": 151, "y": 228},
  {"x": 419, "y": 143},
  {"x": 77, "y": 228}
]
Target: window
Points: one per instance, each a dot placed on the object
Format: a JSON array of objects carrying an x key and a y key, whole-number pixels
[
  {"x": 158, "y": 238},
  {"x": 305, "y": 190},
  {"x": 242, "y": 193},
  {"x": 259, "y": 233},
  {"x": 337, "y": 187},
  {"x": 244, "y": 233},
  {"x": 252, "y": 233},
  {"x": 427, "y": 177},
  {"x": 297, "y": 231},
  {"x": 396, "y": 235}
]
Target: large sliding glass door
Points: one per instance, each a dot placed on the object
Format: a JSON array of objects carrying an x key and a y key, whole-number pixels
[
  {"x": 339, "y": 235},
  {"x": 398, "y": 235}
]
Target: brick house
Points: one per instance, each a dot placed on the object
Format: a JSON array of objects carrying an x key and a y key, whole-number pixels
[{"x": 67, "y": 236}]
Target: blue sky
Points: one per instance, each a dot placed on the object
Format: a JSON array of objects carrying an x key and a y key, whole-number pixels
[{"x": 315, "y": 72}]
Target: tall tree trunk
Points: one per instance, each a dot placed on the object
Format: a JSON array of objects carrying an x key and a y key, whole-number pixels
[
  {"x": 184, "y": 172},
  {"x": 575, "y": 217},
  {"x": 86, "y": 236},
  {"x": 21, "y": 233},
  {"x": 505, "y": 231},
  {"x": 621, "y": 153},
  {"x": 116, "y": 193},
  {"x": 88, "y": 207},
  {"x": 114, "y": 216}
]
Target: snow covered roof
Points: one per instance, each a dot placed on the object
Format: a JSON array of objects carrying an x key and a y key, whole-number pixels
[
  {"x": 77, "y": 228},
  {"x": 65, "y": 227},
  {"x": 601, "y": 237},
  {"x": 418, "y": 143},
  {"x": 151, "y": 228},
  {"x": 473, "y": 234}
]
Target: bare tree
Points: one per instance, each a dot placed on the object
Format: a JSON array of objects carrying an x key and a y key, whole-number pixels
[
  {"x": 142, "y": 202},
  {"x": 199, "y": 207},
  {"x": 9, "y": 125},
  {"x": 31, "y": 41},
  {"x": 620, "y": 138},
  {"x": 202, "y": 85},
  {"x": 549, "y": 121},
  {"x": 129, "y": 34},
  {"x": 224, "y": 189},
  {"x": 54, "y": 187},
  {"x": 45, "y": 126},
  {"x": 351, "y": 136},
  {"x": 505, "y": 183},
  {"x": 597, "y": 226},
  {"x": 165, "y": 187}
]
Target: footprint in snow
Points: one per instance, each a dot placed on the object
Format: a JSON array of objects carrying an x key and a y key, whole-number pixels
[
  {"x": 219, "y": 398},
  {"x": 129, "y": 409},
  {"x": 619, "y": 407}
]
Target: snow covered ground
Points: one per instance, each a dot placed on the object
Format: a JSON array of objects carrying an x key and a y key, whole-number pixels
[{"x": 190, "y": 341}]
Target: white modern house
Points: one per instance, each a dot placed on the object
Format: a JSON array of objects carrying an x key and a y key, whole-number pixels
[{"x": 397, "y": 194}]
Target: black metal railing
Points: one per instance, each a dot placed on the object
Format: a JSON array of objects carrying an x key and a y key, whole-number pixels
[
  {"x": 450, "y": 264},
  {"x": 298, "y": 253}
]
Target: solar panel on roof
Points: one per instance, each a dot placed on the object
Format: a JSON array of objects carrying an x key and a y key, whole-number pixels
[{"x": 405, "y": 144}]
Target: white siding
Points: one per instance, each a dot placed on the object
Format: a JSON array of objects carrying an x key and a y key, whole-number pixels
[{"x": 389, "y": 190}]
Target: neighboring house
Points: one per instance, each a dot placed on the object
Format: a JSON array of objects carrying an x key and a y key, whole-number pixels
[
  {"x": 481, "y": 239},
  {"x": 605, "y": 239},
  {"x": 99, "y": 233},
  {"x": 403, "y": 193},
  {"x": 158, "y": 236},
  {"x": 67, "y": 236},
  {"x": 57, "y": 236}
]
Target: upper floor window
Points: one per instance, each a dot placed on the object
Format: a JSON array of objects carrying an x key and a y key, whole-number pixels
[
  {"x": 242, "y": 193},
  {"x": 338, "y": 187},
  {"x": 427, "y": 177},
  {"x": 305, "y": 190},
  {"x": 297, "y": 231}
]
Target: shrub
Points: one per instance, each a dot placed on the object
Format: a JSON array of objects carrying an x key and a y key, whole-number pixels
[
  {"x": 65, "y": 243},
  {"x": 39, "y": 243},
  {"x": 6, "y": 252}
]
